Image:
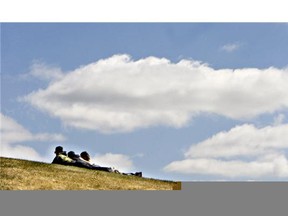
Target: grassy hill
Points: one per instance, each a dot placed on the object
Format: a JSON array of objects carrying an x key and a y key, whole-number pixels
[{"x": 19, "y": 174}]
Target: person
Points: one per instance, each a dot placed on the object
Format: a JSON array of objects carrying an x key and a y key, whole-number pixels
[
  {"x": 85, "y": 164},
  {"x": 84, "y": 161},
  {"x": 61, "y": 157},
  {"x": 86, "y": 157}
]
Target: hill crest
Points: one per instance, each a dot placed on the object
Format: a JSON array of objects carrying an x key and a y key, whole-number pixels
[{"x": 18, "y": 174}]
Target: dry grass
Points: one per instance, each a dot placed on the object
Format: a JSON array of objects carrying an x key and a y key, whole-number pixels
[{"x": 28, "y": 175}]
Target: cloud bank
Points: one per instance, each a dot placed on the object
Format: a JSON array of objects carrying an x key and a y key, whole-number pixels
[
  {"x": 13, "y": 133},
  {"x": 244, "y": 151},
  {"x": 119, "y": 94}
]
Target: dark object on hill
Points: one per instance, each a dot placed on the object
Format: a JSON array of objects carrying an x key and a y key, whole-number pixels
[
  {"x": 72, "y": 155},
  {"x": 85, "y": 155},
  {"x": 61, "y": 157},
  {"x": 83, "y": 161},
  {"x": 139, "y": 174},
  {"x": 58, "y": 149},
  {"x": 84, "y": 164}
]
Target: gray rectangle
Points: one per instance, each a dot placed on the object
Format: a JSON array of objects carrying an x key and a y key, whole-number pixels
[
  {"x": 238, "y": 198},
  {"x": 199, "y": 198}
]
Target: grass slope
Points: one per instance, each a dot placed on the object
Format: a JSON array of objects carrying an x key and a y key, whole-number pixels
[{"x": 19, "y": 174}]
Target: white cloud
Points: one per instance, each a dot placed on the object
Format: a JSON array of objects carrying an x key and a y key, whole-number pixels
[
  {"x": 44, "y": 72},
  {"x": 231, "y": 47},
  {"x": 119, "y": 95},
  {"x": 259, "y": 168},
  {"x": 121, "y": 162},
  {"x": 279, "y": 119},
  {"x": 244, "y": 140},
  {"x": 244, "y": 151},
  {"x": 13, "y": 133},
  {"x": 21, "y": 152}
]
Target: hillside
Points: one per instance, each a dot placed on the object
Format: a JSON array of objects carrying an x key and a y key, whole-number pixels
[{"x": 19, "y": 174}]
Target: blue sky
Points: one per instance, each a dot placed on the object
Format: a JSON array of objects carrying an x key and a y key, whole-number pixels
[{"x": 179, "y": 101}]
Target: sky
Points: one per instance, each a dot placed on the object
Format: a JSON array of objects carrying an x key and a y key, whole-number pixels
[{"x": 177, "y": 101}]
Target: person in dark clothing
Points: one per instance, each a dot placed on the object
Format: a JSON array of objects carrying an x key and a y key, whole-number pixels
[
  {"x": 84, "y": 156},
  {"x": 81, "y": 163},
  {"x": 61, "y": 157}
]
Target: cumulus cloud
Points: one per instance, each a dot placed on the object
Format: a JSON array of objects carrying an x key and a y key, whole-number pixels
[
  {"x": 276, "y": 166},
  {"x": 244, "y": 151},
  {"x": 230, "y": 47},
  {"x": 12, "y": 133},
  {"x": 244, "y": 140},
  {"x": 119, "y": 94},
  {"x": 121, "y": 162}
]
